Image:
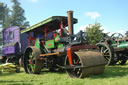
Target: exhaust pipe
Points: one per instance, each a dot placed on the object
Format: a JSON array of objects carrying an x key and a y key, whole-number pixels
[{"x": 70, "y": 22}]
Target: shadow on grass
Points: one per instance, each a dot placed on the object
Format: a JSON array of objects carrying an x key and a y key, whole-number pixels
[
  {"x": 112, "y": 72},
  {"x": 14, "y": 82},
  {"x": 9, "y": 73},
  {"x": 54, "y": 71}
]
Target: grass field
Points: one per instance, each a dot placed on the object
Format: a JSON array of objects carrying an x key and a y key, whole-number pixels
[{"x": 113, "y": 75}]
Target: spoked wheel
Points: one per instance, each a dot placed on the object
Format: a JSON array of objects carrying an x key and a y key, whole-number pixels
[
  {"x": 85, "y": 63},
  {"x": 32, "y": 63},
  {"x": 116, "y": 36},
  {"x": 107, "y": 52}
]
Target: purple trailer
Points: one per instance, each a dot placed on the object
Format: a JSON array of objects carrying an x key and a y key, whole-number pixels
[{"x": 14, "y": 44}]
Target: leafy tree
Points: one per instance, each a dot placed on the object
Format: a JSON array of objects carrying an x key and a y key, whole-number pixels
[
  {"x": 4, "y": 19},
  {"x": 2, "y": 10},
  {"x": 7, "y": 18},
  {"x": 95, "y": 34},
  {"x": 14, "y": 17},
  {"x": 4, "y": 16},
  {"x": 1, "y": 38},
  {"x": 17, "y": 15}
]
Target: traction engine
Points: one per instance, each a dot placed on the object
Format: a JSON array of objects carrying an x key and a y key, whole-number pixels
[
  {"x": 53, "y": 47},
  {"x": 114, "y": 48}
]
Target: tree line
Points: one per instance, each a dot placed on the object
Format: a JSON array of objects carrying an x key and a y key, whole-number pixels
[{"x": 12, "y": 16}]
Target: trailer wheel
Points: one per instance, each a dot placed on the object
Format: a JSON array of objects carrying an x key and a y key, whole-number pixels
[
  {"x": 107, "y": 52},
  {"x": 32, "y": 63}
]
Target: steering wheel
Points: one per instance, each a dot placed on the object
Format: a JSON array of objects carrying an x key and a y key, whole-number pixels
[{"x": 116, "y": 36}]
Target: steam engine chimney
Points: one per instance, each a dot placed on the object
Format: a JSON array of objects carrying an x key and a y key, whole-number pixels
[{"x": 70, "y": 22}]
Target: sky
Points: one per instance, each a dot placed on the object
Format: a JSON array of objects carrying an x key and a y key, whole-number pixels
[{"x": 112, "y": 14}]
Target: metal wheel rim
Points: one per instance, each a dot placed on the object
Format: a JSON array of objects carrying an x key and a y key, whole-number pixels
[
  {"x": 75, "y": 72},
  {"x": 107, "y": 54},
  {"x": 32, "y": 53},
  {"x": 30, "y": 66}
]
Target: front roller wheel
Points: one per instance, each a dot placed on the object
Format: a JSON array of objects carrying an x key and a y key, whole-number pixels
[
  {"x": 32, "y": 63},
  {"x": 74, "y": 72},
  {"x": 85, "y": 63}
]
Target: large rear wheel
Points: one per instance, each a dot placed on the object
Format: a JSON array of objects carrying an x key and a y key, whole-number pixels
[
  {"x": 107, "y": 52},
  {"x": 32, "y": 62}
]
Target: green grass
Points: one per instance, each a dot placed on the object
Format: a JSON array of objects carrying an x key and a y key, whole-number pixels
[{"x": 113, "y": 75}]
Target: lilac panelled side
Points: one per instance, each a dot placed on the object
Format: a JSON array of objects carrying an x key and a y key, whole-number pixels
[{"x": 10, "y": 38}]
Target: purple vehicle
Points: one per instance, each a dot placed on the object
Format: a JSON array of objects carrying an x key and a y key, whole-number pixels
[{"x": 14, "y": 44}]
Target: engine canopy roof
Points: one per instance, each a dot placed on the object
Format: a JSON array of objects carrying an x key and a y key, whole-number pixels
[{"x": 52, "y": 23}]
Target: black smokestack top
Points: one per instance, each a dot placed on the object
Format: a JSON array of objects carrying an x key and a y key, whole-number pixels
[{"x": 70, "y": 22}]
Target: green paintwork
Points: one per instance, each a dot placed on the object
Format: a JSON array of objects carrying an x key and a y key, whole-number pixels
[
  {"x": 60, "y": 45},
  {"x": 114, "y": 44},
  {"x": 37, "y": 43},
  {"x": 57, "y": 38},
  {"x": 50, "y": 44},
  {"x": 30, "y": 56},
  {"x": 123, "y": 45},
  {"x": 32, "y": 66},
  {"x": 36, "y": 25}
]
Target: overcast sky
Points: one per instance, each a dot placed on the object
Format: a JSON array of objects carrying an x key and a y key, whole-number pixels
[{"x": 112, "y": 14}]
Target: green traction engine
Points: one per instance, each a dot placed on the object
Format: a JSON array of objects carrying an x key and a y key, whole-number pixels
[
  {"x": 115, "y": 48},
  {"x": 53, "y": 47}
]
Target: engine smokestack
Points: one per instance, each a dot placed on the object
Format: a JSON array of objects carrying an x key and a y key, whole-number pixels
[{"x": 70, "y": 22}]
